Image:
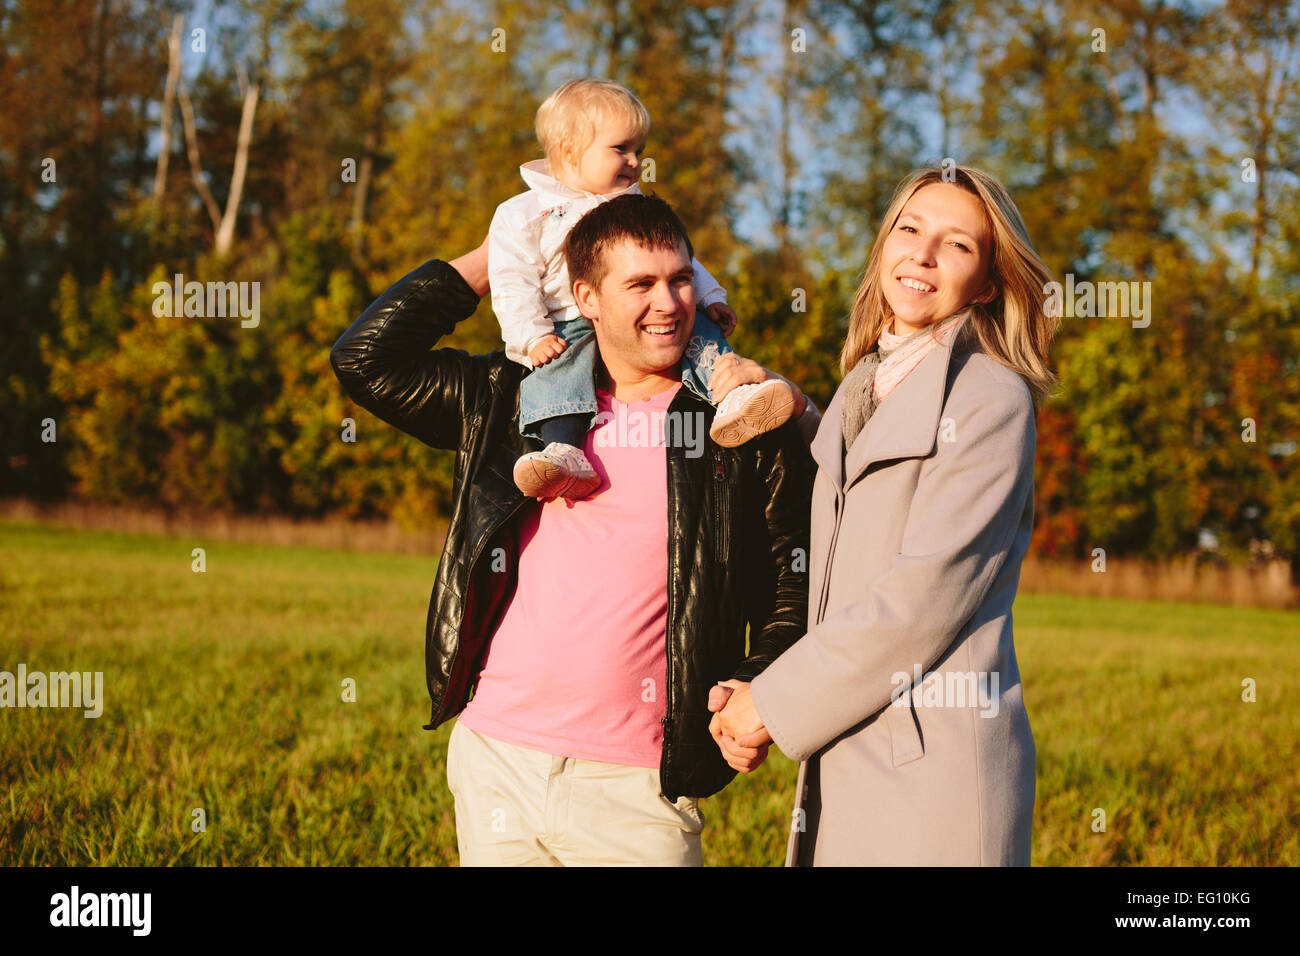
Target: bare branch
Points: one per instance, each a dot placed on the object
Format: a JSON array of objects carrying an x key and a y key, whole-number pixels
[{"x": 196, "y": 165}]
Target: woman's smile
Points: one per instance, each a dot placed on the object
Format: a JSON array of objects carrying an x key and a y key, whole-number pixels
[{"x": 917, "y": 286}]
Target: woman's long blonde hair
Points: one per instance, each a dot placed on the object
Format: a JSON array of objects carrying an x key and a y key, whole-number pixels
[{"x": 1014, "y": 327}]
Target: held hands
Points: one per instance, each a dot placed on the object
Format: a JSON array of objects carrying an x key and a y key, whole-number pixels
[
  {"x": 736, "y": 727},
  {"x": 722, "y": 314},
  {"x": 547, "y": 349}
]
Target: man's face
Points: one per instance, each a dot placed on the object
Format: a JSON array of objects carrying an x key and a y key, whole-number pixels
[{"x": 644, "y": 310}]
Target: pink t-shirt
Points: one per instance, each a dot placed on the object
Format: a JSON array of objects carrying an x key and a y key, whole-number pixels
[{"x": 577, "y": 666}]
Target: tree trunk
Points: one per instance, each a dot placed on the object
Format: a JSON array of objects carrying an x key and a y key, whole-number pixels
[
  {"x": 783, "y": 215},
  {"x": 169, "y": 97},
  {"x": 360, "y": 196},
  {"x": 226, "y": 231}
]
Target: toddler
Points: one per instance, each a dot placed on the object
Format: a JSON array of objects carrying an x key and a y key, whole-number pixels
[{"x": 592, "y": 132}]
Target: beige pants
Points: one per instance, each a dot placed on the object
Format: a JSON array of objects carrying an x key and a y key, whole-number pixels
[{"x": 518, "y": 807}]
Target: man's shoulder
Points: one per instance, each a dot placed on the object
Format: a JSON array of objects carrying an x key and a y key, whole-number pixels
[
  {"x": 498, "y": 365},
  {"x": 489, "y": 390},
  {"x": 779, "y": 455},
  {"x": 493, "y": 368}
]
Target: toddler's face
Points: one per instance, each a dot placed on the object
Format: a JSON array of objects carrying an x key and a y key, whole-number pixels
[{"x": 611, "y": 163}]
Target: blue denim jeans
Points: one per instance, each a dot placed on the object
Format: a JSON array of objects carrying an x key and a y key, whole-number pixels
[{"x": 566, "y": 385}]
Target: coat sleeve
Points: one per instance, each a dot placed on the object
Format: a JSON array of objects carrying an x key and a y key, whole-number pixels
[
  {"x": 776, "y": 569},
  {"x": 385, "y": 363},
  {"x": 707, "y": 290},
  {"x": 960, "y": 527},
  {"x": 516, "y": 271}
]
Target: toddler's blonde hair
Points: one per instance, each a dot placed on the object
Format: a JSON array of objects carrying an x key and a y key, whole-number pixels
[{"x": 567, "y": 121}]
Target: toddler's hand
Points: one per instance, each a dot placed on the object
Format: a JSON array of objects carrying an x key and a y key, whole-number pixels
[
  {"x": 721, "y": 313},
  {"x": 546, "y": 350}
]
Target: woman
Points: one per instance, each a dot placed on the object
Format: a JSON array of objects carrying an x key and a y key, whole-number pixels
[{"x": 903, "y": 701}]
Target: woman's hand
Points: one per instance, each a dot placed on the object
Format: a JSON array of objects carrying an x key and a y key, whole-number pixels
[
  {"x": 731, "y": 370},
  {"x": 473, "y": 268}
]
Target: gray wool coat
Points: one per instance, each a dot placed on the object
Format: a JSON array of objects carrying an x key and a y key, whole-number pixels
[{"x": 917, "y": 538}]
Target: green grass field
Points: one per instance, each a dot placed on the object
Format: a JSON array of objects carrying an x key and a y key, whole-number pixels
[{"x": 223, "y": 692}]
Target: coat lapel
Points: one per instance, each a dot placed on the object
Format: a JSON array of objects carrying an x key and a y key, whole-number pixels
[
  {"x": 828, "y": 441},
  {"x": 907, "y": 421}
]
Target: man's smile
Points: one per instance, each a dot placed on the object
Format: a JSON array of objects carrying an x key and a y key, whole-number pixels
[{"x": 660, "y": 328}]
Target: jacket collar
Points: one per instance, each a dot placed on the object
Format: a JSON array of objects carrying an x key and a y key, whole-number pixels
[
  {"x": 537, "y": 174},
  {"x": 905, "y": 425}
]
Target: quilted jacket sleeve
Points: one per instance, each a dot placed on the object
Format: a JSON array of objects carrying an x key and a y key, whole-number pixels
[{"x": 387, "y": 365}]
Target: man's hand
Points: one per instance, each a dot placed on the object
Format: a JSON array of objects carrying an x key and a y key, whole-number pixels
[
  {"x": 473, "y": 268},
  {"x": 743, "y": 756},
  {"x": 547, "y": 349},
  {"x": 722, "y": 314}
]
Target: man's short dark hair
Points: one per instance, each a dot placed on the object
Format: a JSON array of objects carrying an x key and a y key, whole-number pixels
[{"x": 647, "y": 221}]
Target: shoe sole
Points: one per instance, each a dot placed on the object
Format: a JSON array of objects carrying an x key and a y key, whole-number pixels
[
  {"x": 768, "y": 409},
  {"x": 540, "y": 479}
]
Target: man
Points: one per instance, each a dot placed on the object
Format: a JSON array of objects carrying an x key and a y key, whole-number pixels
[{"x": 589, "y": 633}]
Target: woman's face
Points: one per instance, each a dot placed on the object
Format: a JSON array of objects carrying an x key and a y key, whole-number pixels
[{"x": 935, "y": 260}]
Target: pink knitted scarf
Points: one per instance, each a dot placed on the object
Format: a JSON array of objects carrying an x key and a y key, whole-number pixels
[{"x": 902, "y": 353}]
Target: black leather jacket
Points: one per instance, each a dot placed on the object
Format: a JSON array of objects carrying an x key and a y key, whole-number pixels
[{"x": 737, "y": 518}]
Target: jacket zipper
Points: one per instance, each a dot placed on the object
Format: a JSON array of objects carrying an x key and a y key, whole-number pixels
[{"x": 719, "y": 520}]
